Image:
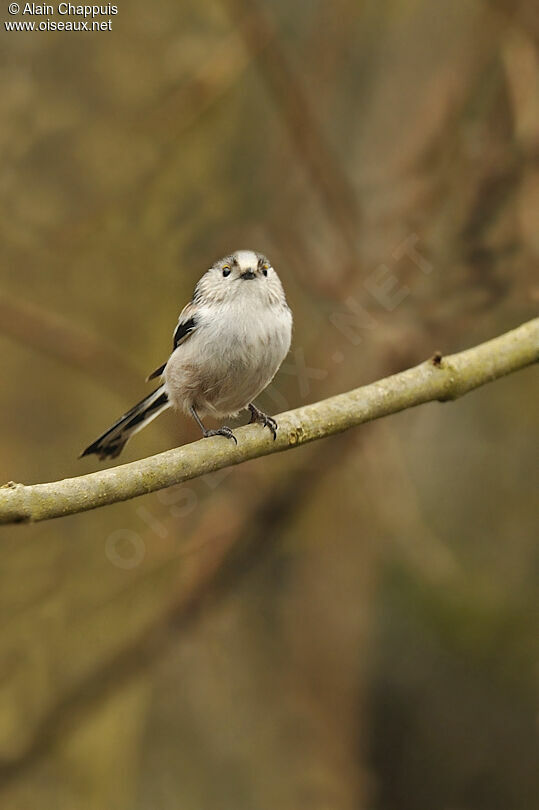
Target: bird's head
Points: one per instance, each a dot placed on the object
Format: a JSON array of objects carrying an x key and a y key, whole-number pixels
[{"x": 241, "y": 277}]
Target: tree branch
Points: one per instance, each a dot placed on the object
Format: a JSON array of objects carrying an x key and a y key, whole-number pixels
[
  {"x": 436, "y": 379},
  {"x": 55, "y": 336}
]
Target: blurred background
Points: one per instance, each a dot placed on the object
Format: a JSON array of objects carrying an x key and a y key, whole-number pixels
[{"x": 351, "y": 625}]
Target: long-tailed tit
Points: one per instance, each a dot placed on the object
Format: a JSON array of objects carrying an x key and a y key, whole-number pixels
[{"x": 229, "y": 343}]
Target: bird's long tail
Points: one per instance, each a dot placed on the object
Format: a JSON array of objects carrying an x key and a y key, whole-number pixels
[{"x": 112, "y": 442}]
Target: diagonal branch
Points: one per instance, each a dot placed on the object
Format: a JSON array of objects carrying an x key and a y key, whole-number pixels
[
  {"x": 255, "y": 25},
  {"x": 436, "y": 379},
  {"x": 55, "y": 336}
]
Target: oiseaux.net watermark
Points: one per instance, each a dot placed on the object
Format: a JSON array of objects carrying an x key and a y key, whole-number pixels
[{"x": 60, "y": 17}]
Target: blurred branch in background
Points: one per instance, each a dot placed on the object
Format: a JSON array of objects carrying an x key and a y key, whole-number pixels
[
  {"x": 436, "y": 379},
  {"x": 193, "y": 581},
  {"x": 305, "y": 132},
  {"x": 57, "y": 337},
  {"x": 186, "y": 103},
  {"x": 171, "y": 116}
]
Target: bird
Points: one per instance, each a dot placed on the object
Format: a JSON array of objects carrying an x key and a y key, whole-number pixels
[{"x": 229, "y": 343}]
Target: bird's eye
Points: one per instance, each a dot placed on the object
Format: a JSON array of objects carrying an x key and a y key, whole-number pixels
[
  {"x": 226, "y": 270},
  {"x": 265, "y": 268}
]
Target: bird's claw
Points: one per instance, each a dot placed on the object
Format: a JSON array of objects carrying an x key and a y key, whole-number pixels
[
  {"x": 263, "y": 419},
  {"x": 223, "y": 431}
]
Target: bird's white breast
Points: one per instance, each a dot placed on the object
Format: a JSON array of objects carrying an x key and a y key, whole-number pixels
[{"x": 231, "y": 357}]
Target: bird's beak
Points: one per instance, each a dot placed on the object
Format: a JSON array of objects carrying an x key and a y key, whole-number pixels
[{"x": 248, "y": 274}]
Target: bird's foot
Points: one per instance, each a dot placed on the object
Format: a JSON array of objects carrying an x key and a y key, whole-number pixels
[
  {"x": 263, "y": 419},
  {"x": 223, "y": 431}
]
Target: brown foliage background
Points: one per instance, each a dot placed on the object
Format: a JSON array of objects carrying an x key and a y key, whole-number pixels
[{"x": 352, "y": 625}]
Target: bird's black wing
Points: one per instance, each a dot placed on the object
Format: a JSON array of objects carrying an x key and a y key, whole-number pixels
[
  {"x": 186, "y": 325},
  {"x": 182, "y": 331}
]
